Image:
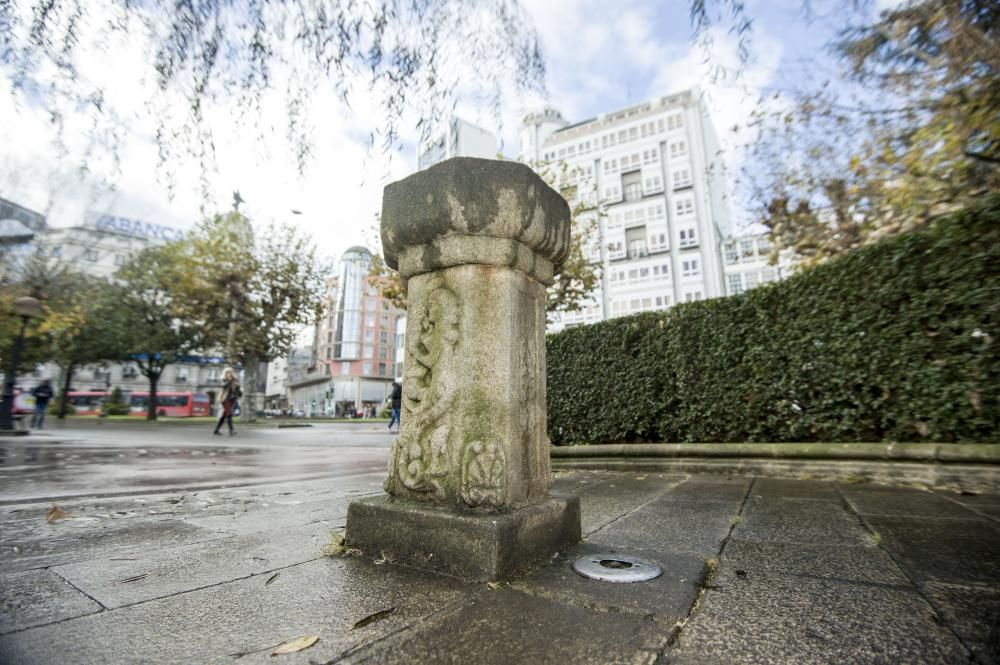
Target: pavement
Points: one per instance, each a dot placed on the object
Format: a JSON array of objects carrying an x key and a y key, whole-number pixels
[{"x": 165, "y": 557}]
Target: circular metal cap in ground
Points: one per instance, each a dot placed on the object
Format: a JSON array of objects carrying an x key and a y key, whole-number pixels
[{"x": 616, "y": 568}]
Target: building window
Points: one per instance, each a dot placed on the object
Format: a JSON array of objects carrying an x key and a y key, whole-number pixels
[
  {"x": 735, "y": 284},
  {"x": 682, "y": 178},
  {"x": 684, "y": 206},
  {"x": 345, "y": 368},
  {"x": 689, "y": 268},
  {"x": 381, "y": 369},
  {"x": 658, "y": 242},
  {"x": 769, "y": 275},
  {"x": 633, "y": 191},
  {"x": 370, "y": 319},
  {"x": 732, "y": 257},
  {"x": 751, "y": 279},
  {"x": 763, "y": 246},
  {"x": 678, "y": 149},
  {"x": 746, "y": 248},
  {"x": 367, "y": 370},
  {"x": 90, "y": 255},
  {"x": 119, "y": 259},
  {"x": 692, "y": 296},
  {"x": 688, "y": 237}
]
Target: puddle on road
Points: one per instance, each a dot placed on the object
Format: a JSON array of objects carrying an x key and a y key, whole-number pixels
[{"x": 49, "y": 457}]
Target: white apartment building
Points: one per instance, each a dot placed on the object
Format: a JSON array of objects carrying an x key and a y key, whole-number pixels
[
  {"x": 655, "y": 170},
  {"x": 746, "y": 263},
  {"x": 456, "y": 138}
]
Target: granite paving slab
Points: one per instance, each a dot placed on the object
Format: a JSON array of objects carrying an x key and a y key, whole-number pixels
[
  {"x": 777, "y": 619},
  {"x": 504, "y": 627},
  {"x": 795, "y": 489},
  {"x": 832, "y": 562},
  {"x": 973, "y": 612},
  {"x": 217, "y": 624},
  {"x": 668, "y": 525},
  {"x": 43, "y": 544},
  {"x": 604, "y": 502},
  {"x": 37, "y": 597},
  {"x": 155, "y": 573},
  {"x": 710, "y": 488},
  {"x": 942, "y": 550},
  {"x": 667, "y": 598},
  {"x": 902, "y": 501},
  {"x": 804, "y": 521}
]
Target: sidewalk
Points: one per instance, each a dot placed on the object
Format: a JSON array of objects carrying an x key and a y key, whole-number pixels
[{"x": 755, "y": 570}]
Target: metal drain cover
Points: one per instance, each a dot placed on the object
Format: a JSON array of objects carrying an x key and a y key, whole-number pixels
[{"x": 616, "y": 568}]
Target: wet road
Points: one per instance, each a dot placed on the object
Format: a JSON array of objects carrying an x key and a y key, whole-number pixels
[{"x": 83, "y": 459}]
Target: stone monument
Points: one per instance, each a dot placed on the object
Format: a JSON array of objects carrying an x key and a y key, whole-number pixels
[{"x": 477, "y": 241}]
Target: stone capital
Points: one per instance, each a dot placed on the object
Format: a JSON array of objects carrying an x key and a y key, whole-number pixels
[{"x": 475, "y": 211}]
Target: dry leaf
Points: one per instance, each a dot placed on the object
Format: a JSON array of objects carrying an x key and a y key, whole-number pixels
[
  {"x": 271, "y": 579},
  {"x": 298, "y": 644},
  {"x": 372, "y": 618},
  {"x": 337, "y": 545},
  {"x": 493, "y": 585},
  {"x": 56, "y": 513}
]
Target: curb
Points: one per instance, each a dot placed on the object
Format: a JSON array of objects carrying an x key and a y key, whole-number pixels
[
  {"x": 954, "y": 467},
  {"x": 947, "y": 453}
]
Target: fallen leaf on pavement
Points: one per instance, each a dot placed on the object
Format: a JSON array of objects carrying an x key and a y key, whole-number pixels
[
  {"x": 372, "y": 618},
  {"x": 133, "y": 579},
  {"x": 298, "y": 644},
  {"x": 56, "y": 513},
  {"x": 271, "y": 579}
]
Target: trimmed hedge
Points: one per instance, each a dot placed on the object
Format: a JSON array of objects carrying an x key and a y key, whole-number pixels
[{"x": 894, "y": 342}]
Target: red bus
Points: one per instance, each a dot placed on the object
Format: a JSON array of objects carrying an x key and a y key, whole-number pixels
[{"x": 174, "y": 405}]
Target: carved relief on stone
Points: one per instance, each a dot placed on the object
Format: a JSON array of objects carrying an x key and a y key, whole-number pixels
[
  {"x": 419, "y": 456},
  {"x": 484, "y": 475}
]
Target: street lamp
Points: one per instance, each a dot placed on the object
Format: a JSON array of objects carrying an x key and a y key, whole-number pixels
[{"x": 27, "y": 308}]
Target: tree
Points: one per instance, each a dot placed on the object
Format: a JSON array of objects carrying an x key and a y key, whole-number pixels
[
  {"x": 72, "y": 331},
  {"x": 212, "y": 55},
  {"x": 911, "y": 130},
  {"x": 146, "y": 322},
  {"x": 250, "y": 292}
]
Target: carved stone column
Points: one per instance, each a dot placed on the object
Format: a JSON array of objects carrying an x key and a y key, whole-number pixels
[{"x": 477, "y": 242}]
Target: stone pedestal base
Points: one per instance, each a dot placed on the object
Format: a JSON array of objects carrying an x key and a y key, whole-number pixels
[{"x": 480, "y": 548}]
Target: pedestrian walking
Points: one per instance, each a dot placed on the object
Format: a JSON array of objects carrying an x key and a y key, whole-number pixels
[
  {"x": 396, "y": 400},
  {"x": 228, "y": 397},
  {"x": 42, "y": 394}
]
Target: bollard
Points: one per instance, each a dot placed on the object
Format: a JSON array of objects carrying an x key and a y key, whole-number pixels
[{"x": 476, "y": 241}]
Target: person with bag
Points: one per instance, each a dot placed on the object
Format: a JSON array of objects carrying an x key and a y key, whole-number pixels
[
  {"x": 395, "y": 401},
  {"x": 228, "y": 397}
]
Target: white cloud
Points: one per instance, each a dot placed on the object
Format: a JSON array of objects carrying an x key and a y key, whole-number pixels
[{"x": 338, "y": 195}]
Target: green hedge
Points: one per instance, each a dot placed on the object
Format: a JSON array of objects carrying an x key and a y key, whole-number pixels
[{"x": 894, "y": 342}]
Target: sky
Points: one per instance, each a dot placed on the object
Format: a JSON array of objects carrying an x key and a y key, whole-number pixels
[{"x": 599, "y": 56}]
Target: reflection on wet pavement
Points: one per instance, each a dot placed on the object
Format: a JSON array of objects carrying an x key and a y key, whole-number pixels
[{"x": 128, "y": 460}]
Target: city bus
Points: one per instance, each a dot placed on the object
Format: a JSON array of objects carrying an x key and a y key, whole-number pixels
[{"x": 171, "y": 404}]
